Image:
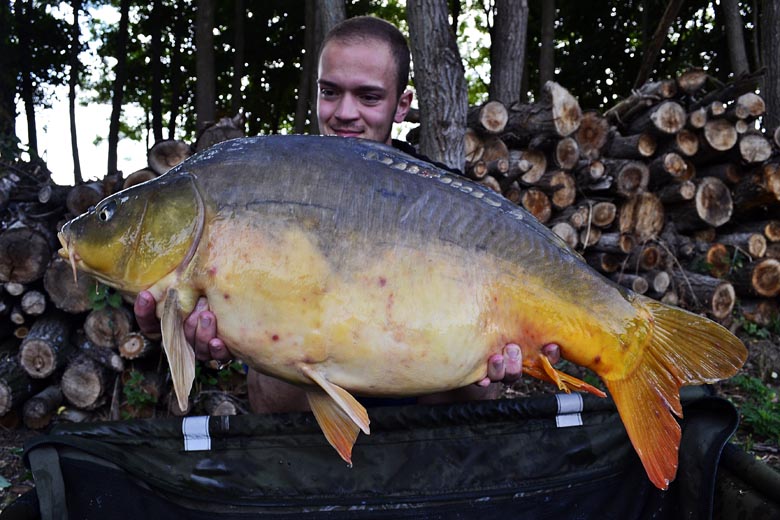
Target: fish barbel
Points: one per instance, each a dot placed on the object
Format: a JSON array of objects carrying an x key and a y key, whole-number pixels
[{"x": 347, "y": 267}]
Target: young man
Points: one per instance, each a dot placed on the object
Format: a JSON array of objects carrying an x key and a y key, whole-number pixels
[{"x": 362, "y": 76}]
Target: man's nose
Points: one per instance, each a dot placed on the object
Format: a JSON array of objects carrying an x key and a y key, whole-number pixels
[{"x": 347, "y": 109}]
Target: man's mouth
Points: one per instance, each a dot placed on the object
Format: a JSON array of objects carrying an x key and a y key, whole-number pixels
[{"x": 346, "y": 132}]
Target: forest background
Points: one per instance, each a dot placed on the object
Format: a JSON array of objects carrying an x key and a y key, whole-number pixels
[{"x": 168, "y": 67}]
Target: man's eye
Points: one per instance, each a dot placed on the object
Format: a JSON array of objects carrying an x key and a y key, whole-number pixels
[
  {"x": 370, "y": 100},
  {"x": 326, "y": 92}
]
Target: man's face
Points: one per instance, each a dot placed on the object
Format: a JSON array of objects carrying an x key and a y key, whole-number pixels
[{"x": 357, "y": 91}]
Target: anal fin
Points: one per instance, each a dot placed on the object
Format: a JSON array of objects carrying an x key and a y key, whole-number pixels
[
  {"x": 343, "y": 399},
  {"x": 181, "y": 357},
  {"x": 562, "y": 380}
]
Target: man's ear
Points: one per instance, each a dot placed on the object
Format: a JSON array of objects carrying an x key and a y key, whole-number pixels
[{"x": 404, "y": 104}]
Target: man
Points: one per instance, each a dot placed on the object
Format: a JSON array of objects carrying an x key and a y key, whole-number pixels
[{"x": 362, "y": 76}]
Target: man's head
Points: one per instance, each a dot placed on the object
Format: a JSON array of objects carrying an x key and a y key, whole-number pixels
[{"x": 363, "y": 72}]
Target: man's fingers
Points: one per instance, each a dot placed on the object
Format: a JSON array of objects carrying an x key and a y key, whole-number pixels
[
  {"x": 145, "y": 313},
  {"x": 513, "y": 363},
  {"x": 496, "y": 367},
  {"x": 553, "y": 352},
  {"x": 219, "y": 351}
]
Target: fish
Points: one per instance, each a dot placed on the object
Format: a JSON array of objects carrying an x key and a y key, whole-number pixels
[{"x": 351, "y": 269}]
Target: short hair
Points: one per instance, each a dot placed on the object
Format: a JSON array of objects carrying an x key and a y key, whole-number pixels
[{"x": 361, "y": 28}]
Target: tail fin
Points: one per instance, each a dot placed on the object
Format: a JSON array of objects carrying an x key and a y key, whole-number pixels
[{"x": 684, "y": 349}]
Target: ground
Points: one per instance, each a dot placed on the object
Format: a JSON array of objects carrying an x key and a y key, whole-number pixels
[{"x": 756, "y": 396}]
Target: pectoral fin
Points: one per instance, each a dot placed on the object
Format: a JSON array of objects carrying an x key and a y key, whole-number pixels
[
  {"x": 338, "y": 413},
  {"x": 181, "y": 356}
]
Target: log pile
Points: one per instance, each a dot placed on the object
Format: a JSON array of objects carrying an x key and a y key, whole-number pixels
[{"x": 673, "y": 192}]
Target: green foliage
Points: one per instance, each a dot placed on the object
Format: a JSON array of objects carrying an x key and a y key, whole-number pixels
[
  {"x": 101, "y": 296},
  {"x": 205, "y": 376},
  {"x": 760, "y": 409},
  {"x": 135, "y": 393}
]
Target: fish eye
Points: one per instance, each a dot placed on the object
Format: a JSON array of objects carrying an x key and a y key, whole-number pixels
[{"x": 106, "y": 212}]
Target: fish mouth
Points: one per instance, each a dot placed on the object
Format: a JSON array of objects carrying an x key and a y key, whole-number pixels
[{"x": 67, "y": 252}]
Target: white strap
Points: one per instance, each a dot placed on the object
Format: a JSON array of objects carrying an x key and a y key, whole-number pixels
[
  {"x": 569, "y": 410},
  {"x": 196, "y": 433}
]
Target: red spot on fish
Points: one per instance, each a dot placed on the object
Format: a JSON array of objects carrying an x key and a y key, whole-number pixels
[
  {"x": 382, "y": 281},
  {"x": 597, "y": 360},
  {"x": 226, "y": 296},
  {"x": 212, "y": 271},
  {"x": 275, "y": 337}
]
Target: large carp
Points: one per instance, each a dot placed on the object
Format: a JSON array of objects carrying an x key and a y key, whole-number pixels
[{"x": 348, "y": 267}]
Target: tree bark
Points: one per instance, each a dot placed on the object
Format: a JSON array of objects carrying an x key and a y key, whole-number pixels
[
  {"x": 120, "y": 77},
  {"x": 46, "y": 346},
  {"x": 507, "y": 50},
  {"x": 736, "y": 40},
  {"x": 155, "y": 66},
  {"x": 8, "y": 75},
  {"x": 306, "y": 101},
  {"x": 440, "y": 81},
  {"x": 73, "y": 82},
  {"x": 23, "y": 23},
  {"x": 656, "y": 43},
  {"x": 239, "y": 25},
  {"x": 206, "y": 81},
  {"x": 547, "y": 48}
]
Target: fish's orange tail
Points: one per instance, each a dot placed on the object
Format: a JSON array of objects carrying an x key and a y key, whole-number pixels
[{"x": 683, "y": 349}]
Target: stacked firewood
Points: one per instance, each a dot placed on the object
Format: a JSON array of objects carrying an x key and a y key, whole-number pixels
[{"x": 674, "y": 192}]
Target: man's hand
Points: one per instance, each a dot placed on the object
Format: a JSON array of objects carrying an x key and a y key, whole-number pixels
[
  {"x": 200, "y": 327},
  {"x": 508, "y": 367}
]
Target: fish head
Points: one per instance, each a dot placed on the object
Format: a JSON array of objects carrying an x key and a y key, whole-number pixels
[{"x": 137, "y": 236}]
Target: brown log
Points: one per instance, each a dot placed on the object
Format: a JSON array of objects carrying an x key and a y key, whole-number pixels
[
  {"x": 559, "y": 186},
  {"x": 577, "y": 217},
  {"x": 83, "y": 196},
  {"x": 67, "y": 294},
  {"x": 498, "y": 167},
  {"x": 754, "y": 244},
  {"x": 616, "y": 243},
  {"x": 85, "y": 383},
  {"x": 645, "y": 257},
  {"x": 684, "y": 142},
  {"x": 567, "y": 152},
  {"x": 635, "y": 146},
  {"x": 592, "y": 135},
  {"x": 8, "y": 183},
  {"x": 513, "y": 192},
  {"x": 490, "y": 182},
  {"x": 642, "y": 216},
  {"x": 473, "y": 146},
  {"x": 107, "y": 327},
  {"x": 668, "y": 117},
  {"x": 670, "y": 297},
  {"x": 166, "y": 154},
  {"x": 587, "y": 172},
  {"x": 518, "y": 164},
  {"x": 692, "y": 80},
  {"x": 741, "y": 126},
  {"x": 538, "y": 166},
  {"x": 489, "y": 118},
  {"x": 590, "y": 236},
  {"x": 669, "y": 167},
  {"x": 217, "y": 403},
  {"x": 754, "y": 148},
  {"x": 135, "y": 346},
  {"x": 717, "y": 259},
  {"x": 107, "y": 357},
  {"x": 603, "y": 214},
  {"x": 556, "y": 113},
  {"x": 24, "y": 254},
  {"x": 14, "y": 288},
  {"x": 33, "y": 303},
  {"x": 720, "y": 134},
  {"x": 706, "y": 234},
  {"x": 698, "y": 118},
  {"x": 676, "y": 192},
  {"x": 658, "y": 282},
  {"x": 631, "y": 177},
  {"x": 16, "y": 316},
  {"x": 476, "y": 170},
  {"x": 777, "y": 136},
  {"x": 716, "y": 109},
  {"x": 705, "y": 293},
  {"x": 760, "y": 278},
  {"x": 16, "y": 386},
  {"x": 494, "y": 148},
  {"x": 712, "y": 206},
  {"x": 223, "y": 130},
  {"x": 537, "y": 203},
  {"x": 760, "y": 188},
  {"x": 633, "y": 281},
  {"x": 601, "y": 261},
  {"x": 761, "y": 311},
  {"x": 773, "y": 250},
  {"x": 53, "y": 194},
  {"x": 727, "y": 172},
  {"x": 138, "y": 177},
  {"x": 747, "y": 106},
  {"x": 645, "y": 96},
  {"x": 46, "y": 346},
  {"x": 39, "y": 410}
]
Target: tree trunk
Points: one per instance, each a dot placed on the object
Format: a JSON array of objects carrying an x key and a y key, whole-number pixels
[
  {"x": 770, "y": 46},
  {"x": 239, "y": 25},
  {"x": 179, "y": 34},
  {"x": 651, "y": 52},
  {"x": 23, "y": 22},
  {"x": 155, "y": 66},
  {"x": 206, "y": 80},
  {"x": 303, "y": 108},
  {"x": 8, "y": 74},
  {"x": 547, "y": 50},
  {"x": 736, "y": 40},
  {"x": 39, "y": 410},
  {"x": 507, "y": 50},
  {"x": 120, "y": 76},
  {"x": 440, "y": 81},
  {"x": 47, "y": 345},
  {"x": 73, "y": 81}
]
